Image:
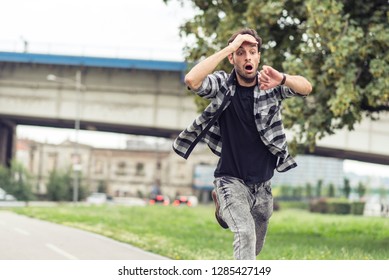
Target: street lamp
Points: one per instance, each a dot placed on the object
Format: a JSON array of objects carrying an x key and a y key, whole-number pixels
[{"x": 78, "y": 86}]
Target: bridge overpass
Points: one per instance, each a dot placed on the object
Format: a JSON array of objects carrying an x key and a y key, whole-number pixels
[
  {"x": 117, "y": 95},
  {"x": 128, "y": 96}
]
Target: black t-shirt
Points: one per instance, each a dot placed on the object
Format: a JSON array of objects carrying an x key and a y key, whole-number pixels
[{"x": 244, "y": 155}]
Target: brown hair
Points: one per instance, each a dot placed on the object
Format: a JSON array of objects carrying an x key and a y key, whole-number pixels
[{"x": 249, "y": 31}]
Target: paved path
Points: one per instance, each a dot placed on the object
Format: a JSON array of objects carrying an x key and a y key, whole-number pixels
[{"x": 23, "y": 238}]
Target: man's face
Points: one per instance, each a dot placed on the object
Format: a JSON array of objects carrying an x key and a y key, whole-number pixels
[{"x": 245, "y": 61}]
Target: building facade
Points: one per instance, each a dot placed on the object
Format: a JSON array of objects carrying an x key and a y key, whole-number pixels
[
  {"x": 118, "y": 172},
  {"x": 132, "y": 172}
]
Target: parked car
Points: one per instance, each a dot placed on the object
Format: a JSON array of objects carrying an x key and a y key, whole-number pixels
[
  {"x": 5, "y": 196},
  {"x": 376, "y": 206},
  {"x": 129, "y": 201},
  {"x": 159, "y": 199},
  {"x": 186, "y": 200},
  {"x": 97, "y": 198},
  {"x": 2, "y": 194}
]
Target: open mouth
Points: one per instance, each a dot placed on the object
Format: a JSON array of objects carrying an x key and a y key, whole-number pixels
[{"x": 248, "y": 67}]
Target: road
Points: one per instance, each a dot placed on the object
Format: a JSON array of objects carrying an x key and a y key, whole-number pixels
[{"x": 23, "y": 238}]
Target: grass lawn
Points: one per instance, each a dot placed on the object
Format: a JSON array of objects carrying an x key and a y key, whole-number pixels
[{"x": 192, "y": 233}]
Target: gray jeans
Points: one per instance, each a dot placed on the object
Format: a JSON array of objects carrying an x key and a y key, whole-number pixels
[{"x": 246, "y": 209}]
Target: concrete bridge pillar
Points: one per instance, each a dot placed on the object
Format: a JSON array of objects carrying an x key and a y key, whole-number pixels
[{"x": 7, "y": 142}]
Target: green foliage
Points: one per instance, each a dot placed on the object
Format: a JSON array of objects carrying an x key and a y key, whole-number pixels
[
  {"x": 60, "y": 186},
  {"x": 293, "y": 205},
  {"x": 5, "y": 179},
  {"x": 331, "y": 190},
  {"x": 318, "y": 206},
  {"x": 16, "y": 181},
  {"x": 357, "y": 208},
  {"x": 346, "y": 187},
  {"x": 336, "y": 206},
  {"x": 288, "y": 192},
  {"x": 319, "y": 188},
  {"x": 297, "y": 192},
  {"x": 308, "y": 190},
  {"x": 341, "y": 46},
  {"x": 102, "y": 186},
  {"x": 285, "y": 191},
  {"x": 21, "y": 179},
  {"x": 361, "y": 189},
  {"x": 339, "y": 207}
]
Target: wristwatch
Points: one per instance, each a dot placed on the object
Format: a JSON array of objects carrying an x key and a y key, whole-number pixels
[{"x": 283, "y": 79}]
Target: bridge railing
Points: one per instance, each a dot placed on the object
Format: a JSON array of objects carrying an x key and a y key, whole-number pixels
[{"x": 138, "y": 51}]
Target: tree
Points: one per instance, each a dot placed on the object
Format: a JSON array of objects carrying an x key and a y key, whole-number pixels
[
  {"x": 5, "y": 179},
  {"x": 341, "y": 46},
  {"x": 16, "y": 181},
  {"x": 308, "y": 190},
  {"x": 285, "y": 191},
  {"x": 331, "y": 190},
  {"x": 60, "y": 186},
  {"x": 319, "y": 188},
  {"x": 297, "y": 192},
  {"x": 346, "y": 187},
  {"x": 102, "y": 186},
  {"x": 361, "y": 189},
  {"x": 21, "y": 182}
]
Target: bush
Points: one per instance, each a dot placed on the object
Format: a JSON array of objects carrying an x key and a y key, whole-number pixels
[
  {"x": 293, "y": 205},
  {"x": 318, "y": 206},
  {"x": 16, "y": 181},
  {"x": 332, "y": 206},
  {"x": 60, "y": 186},
  {"x": 276, "y": 205},
  {"x": 339, "y": 207},
  {"x": 357, "y": 208},
  {"x": 5, "y": 179}
]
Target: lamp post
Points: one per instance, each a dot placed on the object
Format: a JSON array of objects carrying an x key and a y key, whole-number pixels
[{"x": 78, "y": 86}]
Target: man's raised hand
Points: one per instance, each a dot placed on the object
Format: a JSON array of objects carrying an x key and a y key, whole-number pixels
[{"x": 240, "y": 39}]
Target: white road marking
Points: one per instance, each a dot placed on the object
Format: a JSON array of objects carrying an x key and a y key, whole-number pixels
[
  {"x": 22, "y": 231},
  {"x": 61, "y": 252}
]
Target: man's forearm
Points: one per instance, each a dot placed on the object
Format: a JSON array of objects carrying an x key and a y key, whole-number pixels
[
  {"x": 200, "y": 71},
  {"x": 298, "y": 84}
]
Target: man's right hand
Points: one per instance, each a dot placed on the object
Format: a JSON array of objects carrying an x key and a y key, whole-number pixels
[
  {"x": 200, "y": 71},
  {"x": 240, "y": 39}
]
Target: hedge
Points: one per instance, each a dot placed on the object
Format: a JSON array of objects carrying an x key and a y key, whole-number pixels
[{"x": 336, "y": 206}]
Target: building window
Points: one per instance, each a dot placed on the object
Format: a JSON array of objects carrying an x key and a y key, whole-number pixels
[
  {"x": 52, "y": 161},
  {"x": 140, "y": 169},
  {"x": 181, "y": 170},
  {"x": 99, "y": 167},
  {"x": 121, "y": 168},
  {"x": 76, "y": 158}
]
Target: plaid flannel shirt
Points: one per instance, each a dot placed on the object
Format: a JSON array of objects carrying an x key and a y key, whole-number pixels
[{"x": 219, "y": 87}]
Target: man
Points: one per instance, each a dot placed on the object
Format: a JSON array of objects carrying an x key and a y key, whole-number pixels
[{"x": 244, "y": 115}]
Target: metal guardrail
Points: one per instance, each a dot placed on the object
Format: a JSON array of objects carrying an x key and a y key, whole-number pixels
[{"x": 146, "y": 52}]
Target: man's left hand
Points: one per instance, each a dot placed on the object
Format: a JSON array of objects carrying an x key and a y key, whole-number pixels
[{"x": 269, "y": 77}]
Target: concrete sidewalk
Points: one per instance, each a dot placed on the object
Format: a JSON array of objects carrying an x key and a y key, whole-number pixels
[{"x": 24, "y": 238}]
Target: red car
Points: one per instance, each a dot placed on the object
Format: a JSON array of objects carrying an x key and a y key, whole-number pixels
[
  {"x": 185, "y": 200},
  {"x": 159, "y": 199}
]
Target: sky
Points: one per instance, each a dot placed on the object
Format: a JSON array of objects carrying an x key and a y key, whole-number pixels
[
  {"x": 147, "y": 29},
  {"x": 123, "y": 28}
]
